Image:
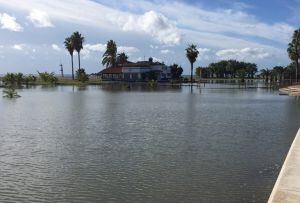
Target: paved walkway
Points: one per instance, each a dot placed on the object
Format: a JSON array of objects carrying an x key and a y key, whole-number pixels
[
  {"x": 291, "y": 90},
  {"x": 287, "y": 187}
]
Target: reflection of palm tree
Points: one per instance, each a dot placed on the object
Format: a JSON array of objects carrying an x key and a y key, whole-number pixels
[
  {"x": 192, "y": 54},
  {"x": 294, "y": 50},
  {"x": 110, "y": 55},
  {"x": 78, "y": 40},
  {"x": 122, "y": 58},
  {"x": 70, "y": 47}
]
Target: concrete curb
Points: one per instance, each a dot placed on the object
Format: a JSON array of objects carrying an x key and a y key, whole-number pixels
[{"x": 287, "y": 186}]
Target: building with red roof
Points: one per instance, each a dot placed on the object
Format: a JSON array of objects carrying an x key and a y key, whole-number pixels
[{"x": 139, "y": 71}]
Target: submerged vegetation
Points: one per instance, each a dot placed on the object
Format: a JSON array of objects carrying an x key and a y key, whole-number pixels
[
  {"x": 30, "y": 79},
  {"x": 81, "y": 75},
  {"x": 10, "y": 93},
  {"x": 17, "y": 79},
  {"x": 152, "y": 83},
  {"x": 176, "y": 72},
  {"x": 48, "y": 77}
]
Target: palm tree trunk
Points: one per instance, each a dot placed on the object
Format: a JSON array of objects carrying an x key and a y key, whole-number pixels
[
  {"x": 72, "y": 67},
  {"x": 192, "y": 67},
  {"x": 78, "y": 59}
]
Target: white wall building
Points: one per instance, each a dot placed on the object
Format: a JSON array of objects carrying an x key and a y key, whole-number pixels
[{"x": 139, "y": 71}]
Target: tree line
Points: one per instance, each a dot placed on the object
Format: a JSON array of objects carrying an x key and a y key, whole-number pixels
[
  {"x": 241, "y": 70},
  {"x": 237, "y": 69},
  {"x": 228, "y": 69},
  {"x": 279, "y": 73},
  {"x": 221, "y": 69}
]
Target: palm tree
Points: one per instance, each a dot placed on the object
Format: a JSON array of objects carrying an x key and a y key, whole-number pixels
[
  {"x": 266, "y": 73},
  {"x": 294, "y": 50},
  {"x": 110, "y": 55},
  {"x": 192, "y": 55},
  {"x": 290, "y": 70},
  {"x": 279, "y": 72},
  {"x": 9, "y": 79},
  {"x": 122, "y": 58},
  {"x": 70, "y": 47},
  {"x": 78, "y": 40}
]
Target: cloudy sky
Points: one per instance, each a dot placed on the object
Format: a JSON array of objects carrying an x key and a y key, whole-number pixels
[{"x": 32, "y": 31}]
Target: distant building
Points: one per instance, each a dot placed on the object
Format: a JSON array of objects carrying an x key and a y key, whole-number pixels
[{"x": 139, "y": 71}]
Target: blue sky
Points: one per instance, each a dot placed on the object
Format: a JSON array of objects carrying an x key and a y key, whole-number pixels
[{"x": 32, "y": 31}]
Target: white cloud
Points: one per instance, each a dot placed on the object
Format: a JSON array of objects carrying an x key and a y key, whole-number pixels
[
  {"x": 155, "y": 24},
  {"x": 157, "y": 59},
  {"x": 166, "y": 22},
  {"x": 216, "y": 29},
  {"x": 166, "y": 51},
  {"x": 89, "y": 48},
  {"x": 146, "y": 59},
  {"x": 153, "y": 46},
  {"x": 97, "y": 15},
  {"x": 232, "y": 21},
  {"x": 9, "y": 22},
  {"x": 128, "y": 50},
  {"x": 243, "y": 54},
  {"x": 40, "y": 18},
  {"x": 235, "y": 20},
  {"x": 19, "y": 47},
  {"x": 203, "y": 51},
  {"x": 95, "y": 47},
  {"x": 220, "y": 42},
  {"x": 55, "y": 47}
]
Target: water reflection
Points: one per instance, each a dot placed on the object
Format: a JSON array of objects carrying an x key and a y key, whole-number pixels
[{"x": 111, "y": 143}]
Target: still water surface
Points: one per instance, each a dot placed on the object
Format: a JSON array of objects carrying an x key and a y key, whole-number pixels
[{"x": 103, "y": 144}]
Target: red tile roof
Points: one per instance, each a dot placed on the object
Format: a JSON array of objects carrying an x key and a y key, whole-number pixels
[
  {"x": 142, "y": 64},
  {"x": 111, "y": 70}
]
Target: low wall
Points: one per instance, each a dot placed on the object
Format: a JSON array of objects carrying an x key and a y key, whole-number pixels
[{"x": 287, "y": 186}]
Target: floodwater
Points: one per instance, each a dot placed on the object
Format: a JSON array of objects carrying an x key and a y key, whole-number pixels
[{"x": 120, "y": 144}]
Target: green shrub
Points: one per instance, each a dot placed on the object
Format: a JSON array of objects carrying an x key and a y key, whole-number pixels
[
  {"x": 29, "y": 79},
  {"x": 19, "y": 78},
  {"x": 10, "y": 93},
  {"x": 81, "y": 75},
  {"x": 9, "y": 79},
  {"x": 151, "y": 75},
  {"x": 12, "y": 79},
  {"x": 152, "y": 83},
  {"x": 48, "y": 77}
]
